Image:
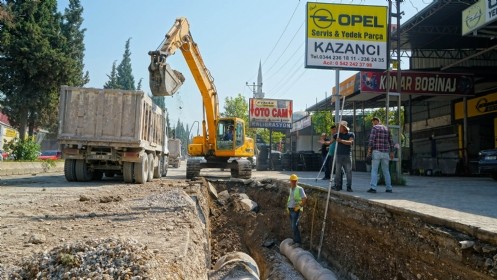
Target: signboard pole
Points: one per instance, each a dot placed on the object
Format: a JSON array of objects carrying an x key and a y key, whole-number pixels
[
  {"x": 337, "y": 96},
  {"x": 270, "y": 149}
]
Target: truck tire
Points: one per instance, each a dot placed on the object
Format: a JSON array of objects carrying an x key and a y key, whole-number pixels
[
  {"x": 165, "y": 166},
  {"x": 243, "y": 169},
  {"x": 128, "y": 172},
  {"x": 157, "y": 169},
  {"x": 70, "y": 170},
  {"x": 141, "y": 170},
  {"x": 83, "y": 173},
  {"x": 150, "y": 170}
]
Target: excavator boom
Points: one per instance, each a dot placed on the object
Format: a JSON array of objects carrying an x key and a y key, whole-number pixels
[{"x": 217, "y": 150}]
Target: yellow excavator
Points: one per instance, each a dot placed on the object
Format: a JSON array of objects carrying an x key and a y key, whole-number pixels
[{"x": 223, "y": 143}]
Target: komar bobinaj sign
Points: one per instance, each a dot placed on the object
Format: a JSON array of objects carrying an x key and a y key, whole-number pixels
[
  {"x": 270, "y": 113},
  {"x": 412, "y": 82}
]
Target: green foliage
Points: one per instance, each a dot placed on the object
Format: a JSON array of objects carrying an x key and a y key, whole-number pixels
[
  {"x": 39, "y": 53},
  {"x": 72, "y": 21},
  {"x": 276, "y": 136},
  {"x": 26, "y": 149},
  {"x": 238, "y": 107},
  {"x": 322, "y": 121},
  {"x": 380, "y": 113},
  {"x": 183, "y": 134},
  {"x": 47, "y": 164},
  {"x": 125, "y": 78},
  {"x": 68, "y": 260},
  {"x": 112, "y": 82}
]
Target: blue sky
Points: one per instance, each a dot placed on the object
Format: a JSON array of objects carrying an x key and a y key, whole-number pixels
[{"x": 233, "y": 36}]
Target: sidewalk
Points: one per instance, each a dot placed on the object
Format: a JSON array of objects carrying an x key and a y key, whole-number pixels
[{"x": 467, "y": 200}]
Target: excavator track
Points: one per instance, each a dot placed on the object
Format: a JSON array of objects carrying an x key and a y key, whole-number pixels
[
  {"x": 192, "y": 168},
  {"x": 243, "y": 169}
]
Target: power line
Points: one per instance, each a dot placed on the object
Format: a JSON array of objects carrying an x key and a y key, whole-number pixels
[{"x": 282, "y": 33}]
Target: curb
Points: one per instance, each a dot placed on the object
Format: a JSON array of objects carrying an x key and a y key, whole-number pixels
[{"x": 21, "y": 168}]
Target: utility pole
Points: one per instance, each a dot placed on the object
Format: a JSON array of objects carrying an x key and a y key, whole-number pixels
[
  {"x": 253, "y": 88},
  {"x": 396, "y": 126}
]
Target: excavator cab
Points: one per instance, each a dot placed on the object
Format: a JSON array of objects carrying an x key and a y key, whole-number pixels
[{"x": 230, "y": 134}]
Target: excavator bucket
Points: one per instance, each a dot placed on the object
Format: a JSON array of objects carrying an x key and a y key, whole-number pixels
[{"x": 163, "y": 80}]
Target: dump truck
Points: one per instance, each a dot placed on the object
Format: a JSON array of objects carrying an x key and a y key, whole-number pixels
[
  {"x": 174, "y": 147},
  {"x": 110, "y": 131}
]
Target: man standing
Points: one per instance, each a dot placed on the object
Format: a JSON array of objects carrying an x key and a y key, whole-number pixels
[
  {"x": 380, "y": 148},
  {"x": 295, "y": 206},
  {"x": 325, "y": 142},
  {"x": 344, "y": 140}
]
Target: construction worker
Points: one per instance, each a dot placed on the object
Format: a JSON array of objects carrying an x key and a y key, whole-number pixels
[{"x": 295, "y": 206}]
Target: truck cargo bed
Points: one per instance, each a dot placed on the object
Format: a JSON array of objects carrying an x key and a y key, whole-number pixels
[{"x": 109, "y": 117}]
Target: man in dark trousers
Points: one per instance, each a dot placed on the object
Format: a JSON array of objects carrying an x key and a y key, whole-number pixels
[
  {"x": 325, "y": 161},
  {"x": 344, "y": 140}
]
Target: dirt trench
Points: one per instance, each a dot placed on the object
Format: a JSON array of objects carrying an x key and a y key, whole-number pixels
[
  {"x": 362, "y": 239},
  {"x": 177, "y": 229}
]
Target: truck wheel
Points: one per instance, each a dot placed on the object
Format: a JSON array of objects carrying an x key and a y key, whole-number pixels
[
  {"x": 83, "y": 173},
  {"x": 141, "y": 170},
  {"x": 128, "y": 172},
  {"x": 150, "y": 169},
  {"x": 158, "y": 168},
  {"x": 70, "y": 170},
  {"x": 166, "y": 166}
]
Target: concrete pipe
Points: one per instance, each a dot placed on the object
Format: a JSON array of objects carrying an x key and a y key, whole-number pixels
[
  {"x": 305, "y": 263},
  {"x": 235, "y": 265}
]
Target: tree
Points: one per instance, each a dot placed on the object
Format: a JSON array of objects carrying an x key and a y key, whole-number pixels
[
  {"x": 34, "y": 63},
  {"x": 112, "y": 82},
  {"x": 238, "y": 107},
  {"x": 125, "y": 78},
  {"x": 71, "y": 28},
  {"x": 322, "y": 121}
]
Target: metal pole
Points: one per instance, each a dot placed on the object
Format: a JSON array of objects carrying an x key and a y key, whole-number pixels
[
  {"x": 338, "y": 118},
  {"x": 399, "y": 89}
]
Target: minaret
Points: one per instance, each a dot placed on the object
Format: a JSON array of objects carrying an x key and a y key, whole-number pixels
[{"x": 259, "y": 93}]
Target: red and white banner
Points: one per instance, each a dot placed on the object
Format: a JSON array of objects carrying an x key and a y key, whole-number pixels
[{"x": 270, "y": 113}]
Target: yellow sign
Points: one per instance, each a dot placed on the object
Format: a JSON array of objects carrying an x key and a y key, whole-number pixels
[
  {"x": 476, "y": 16},
  {"x": 351, "y": 37},
  {"x": 477, "y": 106}
]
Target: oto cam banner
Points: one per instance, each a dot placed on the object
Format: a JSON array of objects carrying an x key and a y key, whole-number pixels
[
  {"x": 348, "y": 37},
  {"x": 270, "y": 113}
]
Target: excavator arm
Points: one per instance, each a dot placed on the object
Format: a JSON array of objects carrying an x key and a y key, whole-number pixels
[
  {"x": 217, "y": 151},
  {"x": 165, "y": 82}
]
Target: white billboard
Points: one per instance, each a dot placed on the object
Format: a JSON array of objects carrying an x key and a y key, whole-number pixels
[{"x": 270, "y": 113}]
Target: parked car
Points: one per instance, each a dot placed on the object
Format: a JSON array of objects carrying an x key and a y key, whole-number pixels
[
  {"x": 50, "y": 154},
  {"x": 487, "y": 162}
]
